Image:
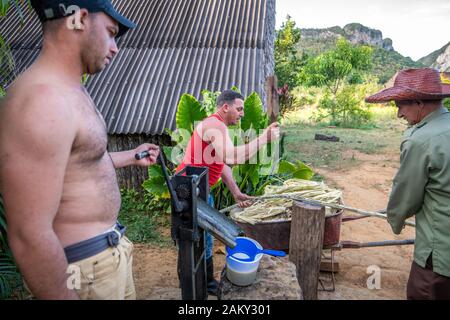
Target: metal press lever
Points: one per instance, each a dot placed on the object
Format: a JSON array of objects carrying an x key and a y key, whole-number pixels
[
  {"x": 179, "y": 206},
  {"x": 142, "y": 155}
]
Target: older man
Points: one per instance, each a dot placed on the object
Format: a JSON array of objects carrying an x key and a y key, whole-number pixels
[
  {"x": 56, "y": 176},
  {"x": 421, "y": 187}
]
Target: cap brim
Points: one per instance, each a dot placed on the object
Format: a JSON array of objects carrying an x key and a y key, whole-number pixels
[{"x": 124, "y": 23}]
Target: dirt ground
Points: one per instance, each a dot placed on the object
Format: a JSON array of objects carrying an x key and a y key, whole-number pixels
[{"x": 365, "y": 186}]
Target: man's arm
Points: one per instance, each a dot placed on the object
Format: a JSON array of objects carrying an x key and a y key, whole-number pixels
[
  {"x": 36, "y": 142},
  {"x": 216, "y": 132},
  {"x": 127, "y": 158},
  {"x": 240, "y": 198},
  {"x": 408, "y": 187}
]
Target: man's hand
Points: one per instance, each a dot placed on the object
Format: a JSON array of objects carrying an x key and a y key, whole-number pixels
[
  {"x": 272, "y": 132},
  {"x": 152, "y": 149},
  {"x": 243, "y": 200}
]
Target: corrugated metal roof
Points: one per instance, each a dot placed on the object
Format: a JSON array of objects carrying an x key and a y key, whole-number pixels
[
  {"x": 195, "y": 23},
  {"x": 180, "y": 46},
  {"x": 165, "y": 24},
  {"x": 136, "y": 93}
]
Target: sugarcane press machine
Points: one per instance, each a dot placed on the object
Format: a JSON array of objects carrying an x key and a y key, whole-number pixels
[{"x": 191, "y": 217}]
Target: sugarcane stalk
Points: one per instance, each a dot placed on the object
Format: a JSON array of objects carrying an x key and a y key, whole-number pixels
[{"x": 321, "y": 203}]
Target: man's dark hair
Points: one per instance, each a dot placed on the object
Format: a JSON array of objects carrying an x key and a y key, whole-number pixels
[{"x": 228, "y": 97}]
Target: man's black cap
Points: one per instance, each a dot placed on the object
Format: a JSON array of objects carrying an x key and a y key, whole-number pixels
[{"x": 55, "y": 9}]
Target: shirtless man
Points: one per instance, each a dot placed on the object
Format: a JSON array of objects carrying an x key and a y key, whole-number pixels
[
  {"x": 212, "y": 147},
  {"x": 56, "y": 176}
]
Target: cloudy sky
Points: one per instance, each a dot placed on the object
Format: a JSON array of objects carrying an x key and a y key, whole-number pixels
[{"x": 416, "y": 27}]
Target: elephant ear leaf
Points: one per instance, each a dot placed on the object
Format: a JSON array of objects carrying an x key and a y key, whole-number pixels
[
  {"x": 253, "y": 113},
  {"x": 299, "y": 170},
  {"x": 189, "y": 111},
  {"x": 303, "y": 171},
  {"x": 156, "y": 183}
]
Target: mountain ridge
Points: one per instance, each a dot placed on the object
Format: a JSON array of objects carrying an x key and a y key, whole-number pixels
[{"x": 386, "y": 61}]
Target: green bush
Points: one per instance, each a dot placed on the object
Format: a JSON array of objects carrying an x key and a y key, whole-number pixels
[
  {"x": 142, "y": 216},
  {"x": 346, "y": 109},
  {"x": 447, "y": 103},
  {"x": 307, "y": 96},
  {"x": 10, "y": 278}
]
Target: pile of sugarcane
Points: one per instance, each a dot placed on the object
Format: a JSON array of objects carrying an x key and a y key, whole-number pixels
[{"x": 279, "y": 209}]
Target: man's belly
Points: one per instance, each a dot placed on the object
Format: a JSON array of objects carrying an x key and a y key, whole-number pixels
[{"x": 89, "y": 206}]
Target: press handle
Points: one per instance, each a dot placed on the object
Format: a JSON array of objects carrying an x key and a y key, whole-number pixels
[
  {"x": 276, "y": 253},
  {"x": 142, "y": 155}
]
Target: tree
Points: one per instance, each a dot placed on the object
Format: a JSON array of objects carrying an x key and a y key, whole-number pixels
[
  {"x": 338, "y": 70},
  {"x": 334, "y": 68},
  {"x": 287, "y": 59}
]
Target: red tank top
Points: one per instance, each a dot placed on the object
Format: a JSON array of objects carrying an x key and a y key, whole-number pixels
[{"x": 200, "y": 153}]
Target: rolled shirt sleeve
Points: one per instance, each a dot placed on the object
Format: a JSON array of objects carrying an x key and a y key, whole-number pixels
[{"x": 408, "y": 187}]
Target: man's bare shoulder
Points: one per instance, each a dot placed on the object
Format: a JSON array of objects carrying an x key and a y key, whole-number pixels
[
  {"x": 38, "y": 99},
  {"x": 213, "y": 123},
  {"x": 35, "y": 111},
  {"x": 211, "y": 128}
]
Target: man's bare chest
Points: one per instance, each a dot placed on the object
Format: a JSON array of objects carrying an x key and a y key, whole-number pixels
[{"x": 91, "y": 140}]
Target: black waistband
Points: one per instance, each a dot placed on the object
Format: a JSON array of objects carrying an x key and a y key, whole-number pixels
[{"x": 90, "y": 247}]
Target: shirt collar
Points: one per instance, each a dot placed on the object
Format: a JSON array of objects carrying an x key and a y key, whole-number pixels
[{"x": 436, "y": 113}]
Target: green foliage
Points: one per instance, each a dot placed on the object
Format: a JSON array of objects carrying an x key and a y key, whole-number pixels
[
  {"x": 6, "y": 4},
  {"x": 340, "y": 70},
  {"x": 6, "y": 58},
  {"x": 387, "y": 63},
  {"x": 288, "y": 60},
  {"x": 156, "y": 192},
  {"x": 189, "y": 111},
  {"x": 10, "y": 278},
  {"x": 6, "y": 65},
  {"x": 297, "y": 170},
  {"x": 447, "y": 103},
  {"x": 142, "y": 216},
  {"x": 338, "y": 66},
  {"x": 156, "y": 183},
  {"x": 254, "y": 116},
  {"x": 209, "y": 101},
  {"x": 346, "y": 108}
]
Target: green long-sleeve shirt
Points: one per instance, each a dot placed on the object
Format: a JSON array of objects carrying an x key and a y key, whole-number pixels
[{"x": 422, "y": 188}]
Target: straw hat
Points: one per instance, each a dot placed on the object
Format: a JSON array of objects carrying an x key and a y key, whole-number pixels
[{"x": 415, "y": 84}]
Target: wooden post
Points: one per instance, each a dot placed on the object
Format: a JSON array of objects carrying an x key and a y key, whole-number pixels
[
  {"x": 305, "y": 246},
  {"x": 273, "y": 105}
]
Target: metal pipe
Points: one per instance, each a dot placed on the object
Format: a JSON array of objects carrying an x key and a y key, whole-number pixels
[
  {"x": 217, "y": 223},
  {"x": 358, "y": 245}
]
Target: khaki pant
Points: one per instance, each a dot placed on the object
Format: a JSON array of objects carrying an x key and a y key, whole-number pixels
[
  {"x": 106, "y": 276},
  {"x": 109, "y": 274}
]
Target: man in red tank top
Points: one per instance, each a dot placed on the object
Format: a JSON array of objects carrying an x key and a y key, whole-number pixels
[{"x": 211, "y": 146}]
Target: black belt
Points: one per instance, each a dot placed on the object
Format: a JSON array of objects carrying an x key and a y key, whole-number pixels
[{"x": 90, "y": 247}]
